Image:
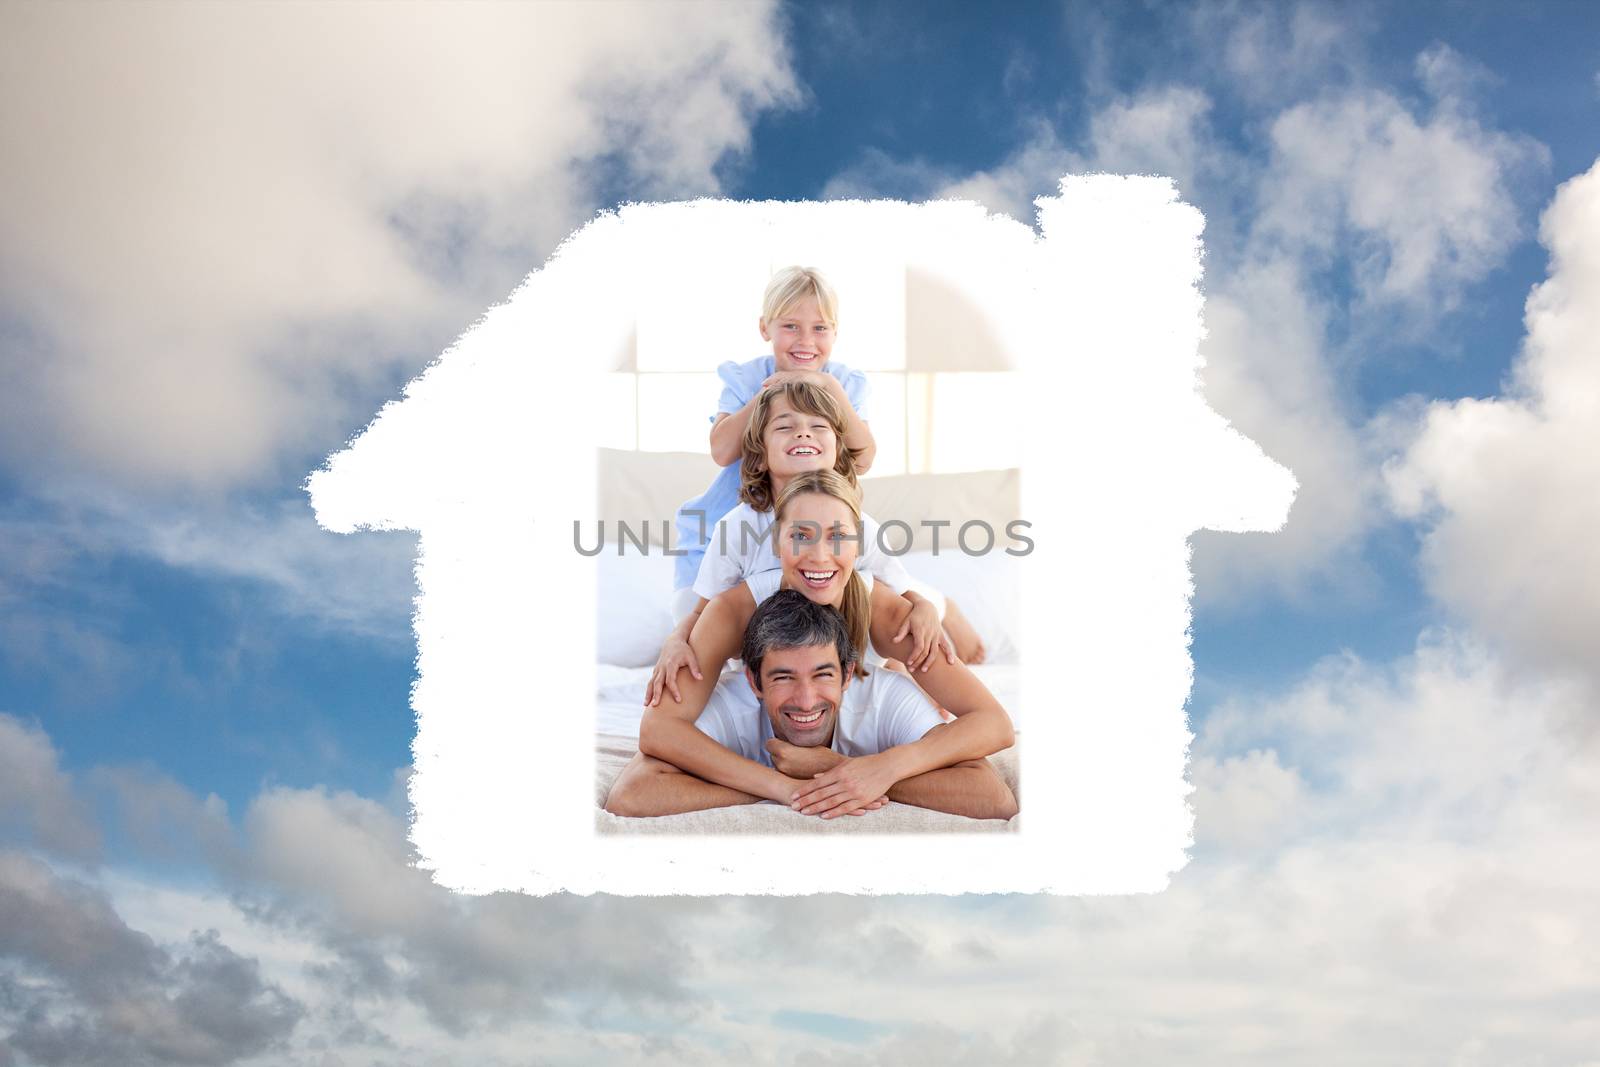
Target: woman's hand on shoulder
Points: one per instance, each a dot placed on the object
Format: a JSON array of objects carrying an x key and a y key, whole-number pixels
[
  {"x": 712, "y": 643},
  {"x": 676, "y": 654},
  {"x": 928, "y": 637}
]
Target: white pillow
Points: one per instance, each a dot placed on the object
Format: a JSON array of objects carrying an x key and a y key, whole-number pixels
[
  {"x": 985, "y": 588},
  {"x": 632, "y": 616}
]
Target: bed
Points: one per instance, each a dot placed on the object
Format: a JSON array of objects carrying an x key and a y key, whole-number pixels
[{"x": 633, "y": 620}]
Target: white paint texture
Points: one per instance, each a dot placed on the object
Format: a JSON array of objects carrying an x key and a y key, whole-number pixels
[{"x": 489, "y": 456}]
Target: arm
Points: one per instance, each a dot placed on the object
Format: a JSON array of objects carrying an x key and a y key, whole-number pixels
[
  {"x": 676, "y": 653},
  {"x": 928, "y": 638},
  {"x": 648, "y": 787},
  {"x": 982, "y": 726},
  {"x": 727, "y": 435},
  {"x": 858, "y": 435},
  {"x": 927, "y": 604},
  {"x": 970, "y": 788},
  {"x": 667, "y": 732}
]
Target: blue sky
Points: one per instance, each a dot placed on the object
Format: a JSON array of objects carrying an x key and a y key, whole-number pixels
[{"x": 212, "y": 272}]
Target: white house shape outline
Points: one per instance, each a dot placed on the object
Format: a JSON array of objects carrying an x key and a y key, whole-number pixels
[{"x": 488, "y": 457}]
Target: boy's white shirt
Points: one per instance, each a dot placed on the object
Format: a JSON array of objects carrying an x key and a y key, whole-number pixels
[{"x": 732, "y": 556}]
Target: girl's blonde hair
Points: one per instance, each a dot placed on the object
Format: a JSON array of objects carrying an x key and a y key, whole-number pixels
[
  {"x": 856, "y": 607},
  {"x": 793, "y": 284},
  {"x": 755, "y": 479}
]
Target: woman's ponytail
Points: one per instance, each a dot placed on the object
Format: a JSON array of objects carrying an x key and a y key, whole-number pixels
[{"x": 856, "y": 607}]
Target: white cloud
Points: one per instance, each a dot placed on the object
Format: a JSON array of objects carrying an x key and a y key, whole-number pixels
[
  {"x": 1417, "y": 202},
  {"x": 876, "y": 175},
  {"x": 162, "y": 817},
  {"x": 338, "y": 849},
  {"x": 1450, "y": 77},
  {"x": 328, "y": 932},
  {"x": 83, "y": 988},
  {"x": 1446, "y": 746},
  {"x": 356, "y": 585},
  {"x": 1250, "y": 800},
  {"x": 1351, "y": 212},
  {"x": 55, "y": 600},
  {"x": 1271, "y": 52},
  {"x": 338, "y": 865},
  {"x": 1506, "y": 487},
  {"x": 37, "y": 801},
  {"x": 1419, "y": 207},
  {"x": 1267, "y": 369},
  {"x": 1160, "y": 131},
  {"x": 1395, "y": 864},
  {"x": 1155, "y": 132},
  {"x": 1420, "y": 203},
  {"x": 224, "y": 225}
]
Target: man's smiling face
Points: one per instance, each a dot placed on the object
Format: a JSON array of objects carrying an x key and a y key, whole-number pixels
[{"x": 801, "y": 689}]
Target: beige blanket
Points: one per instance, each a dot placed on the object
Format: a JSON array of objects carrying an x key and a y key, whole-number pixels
[{"x": 613, "y": 752}]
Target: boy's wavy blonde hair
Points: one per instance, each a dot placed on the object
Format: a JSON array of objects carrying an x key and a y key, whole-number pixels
[
  {"x": 793, "y": 284},
  {"x": 755, "y": 480},
  {"x": 856, "y": 606}
]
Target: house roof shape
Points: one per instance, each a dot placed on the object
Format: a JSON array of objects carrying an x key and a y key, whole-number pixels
[{"x": 488, "y": 455}]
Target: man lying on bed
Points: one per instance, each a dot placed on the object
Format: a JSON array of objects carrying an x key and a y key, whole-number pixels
[{"x": 811, "y": 712}]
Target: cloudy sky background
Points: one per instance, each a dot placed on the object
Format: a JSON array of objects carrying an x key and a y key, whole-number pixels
[{"x": 229, "y": 232}]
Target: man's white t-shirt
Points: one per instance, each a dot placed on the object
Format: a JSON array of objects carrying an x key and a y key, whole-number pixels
[
  {"x": 742, "y": 543},
  {"x": 877, "y": 712}
]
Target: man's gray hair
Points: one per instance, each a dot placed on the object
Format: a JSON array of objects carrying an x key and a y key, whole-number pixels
[{"x": 787, "y": 619}]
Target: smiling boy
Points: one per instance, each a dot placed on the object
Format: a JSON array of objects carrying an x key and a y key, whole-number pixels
[{"x": 799, "y": 318}]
